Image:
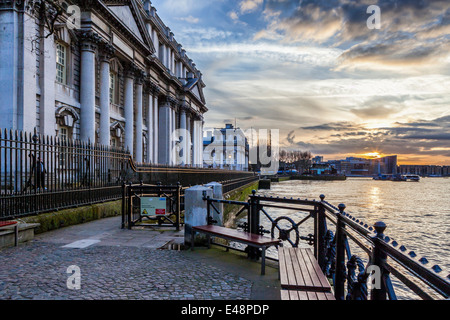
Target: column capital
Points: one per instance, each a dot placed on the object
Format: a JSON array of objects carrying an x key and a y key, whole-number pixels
[
  {"x": 140, "y": 76},
  {"x": 134, "y": 72},
  {"x": 88, "y": 40},
  {"x": 130, "y": 70},
  {"x": 106, "y": 51},
  {"x": 151, "y": 87},
  {"x": 184, "y": 107},
  {"x": 170, "y": 100}
]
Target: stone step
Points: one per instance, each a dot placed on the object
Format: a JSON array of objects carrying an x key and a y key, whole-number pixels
[{"x": 14, "y": 234}]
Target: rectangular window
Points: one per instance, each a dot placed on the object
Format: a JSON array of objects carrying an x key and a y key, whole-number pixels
[
  {"x": 63, "y": 151},
  {"x": 112, "y": 88},
  {"x": 63, "y": 134},
  {"x": 61, "y": 61}
]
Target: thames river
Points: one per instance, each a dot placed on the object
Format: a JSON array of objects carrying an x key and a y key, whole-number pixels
[{"x": 416, "y": 213}]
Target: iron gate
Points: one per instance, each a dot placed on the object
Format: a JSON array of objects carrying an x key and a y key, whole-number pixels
[{"x": 139, "y": 200}]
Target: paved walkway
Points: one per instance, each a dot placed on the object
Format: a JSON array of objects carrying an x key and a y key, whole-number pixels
[{"x": 128, "y": 264}]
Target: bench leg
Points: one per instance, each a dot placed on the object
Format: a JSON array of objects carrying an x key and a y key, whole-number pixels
[
  {"x": 16, "y": 234},
  {"x": 263, "y": 261}
]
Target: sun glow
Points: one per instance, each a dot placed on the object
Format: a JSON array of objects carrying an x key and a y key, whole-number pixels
[{"x": 375, "y": 155}]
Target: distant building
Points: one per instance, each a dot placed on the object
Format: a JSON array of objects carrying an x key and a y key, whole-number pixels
[
  {"x": 425, "y": 170},
  {"x": 226, "y": 148},
  {"x": 362, "y": 167},
  {"x": 317, "y": 160}
]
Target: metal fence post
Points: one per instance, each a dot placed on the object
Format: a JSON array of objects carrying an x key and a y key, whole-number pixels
[
  {"x": 339, "y": 282},
  {"x": 379, "y": 259},
  {"x": 320, "y": 234},
  {"x": 253, "y": 253},
  {"x": 178, "y": 218},
  {"x": 130, "y": 206},
  {"x": 124, "y": 199}
]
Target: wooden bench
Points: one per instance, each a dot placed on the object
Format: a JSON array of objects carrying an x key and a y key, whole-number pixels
[
  {"x": 301, "y": 277},
  {"x": 250, "y": 239},
  {"x": 306, "y": 295}
]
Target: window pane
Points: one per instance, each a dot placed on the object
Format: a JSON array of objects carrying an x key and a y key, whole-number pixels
[{"x": 60, "y": 63}]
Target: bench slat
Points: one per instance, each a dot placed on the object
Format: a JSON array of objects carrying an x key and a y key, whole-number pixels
[
  {"x": 301, "y": 265},
  {"x": 300, "y": 271},
  {"x": 312, "y": 272},
  {"x": 322, "y": 279},
  {"x": 237, "y": 235},
  {"x": 306, "y": 295}
]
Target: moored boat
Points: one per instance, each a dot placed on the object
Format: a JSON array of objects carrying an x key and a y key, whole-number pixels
[{"x": 413, "y": 177}]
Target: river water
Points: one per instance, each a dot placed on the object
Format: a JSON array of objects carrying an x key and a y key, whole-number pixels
[{"x": 417, "y": 214}]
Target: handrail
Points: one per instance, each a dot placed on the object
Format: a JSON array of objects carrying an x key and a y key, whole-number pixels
[{"x": 331, "y": 249}]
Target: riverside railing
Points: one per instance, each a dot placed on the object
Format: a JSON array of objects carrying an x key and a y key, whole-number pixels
[
  {"x": 41, "y": 173},
  {"x": 354, "y": 276}
]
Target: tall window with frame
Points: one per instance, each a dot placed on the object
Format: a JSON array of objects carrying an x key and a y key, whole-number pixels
[
  {"x": 61, "y": 63},
  {"x": 64, "y": 135},
  {"x": 112, "y": 87}
]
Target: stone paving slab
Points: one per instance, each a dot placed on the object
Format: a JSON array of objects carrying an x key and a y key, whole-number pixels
[{"x": 127, "y": 265}]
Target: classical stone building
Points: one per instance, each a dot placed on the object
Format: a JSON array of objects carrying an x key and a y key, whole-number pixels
[{"x": 108, "y": 72}]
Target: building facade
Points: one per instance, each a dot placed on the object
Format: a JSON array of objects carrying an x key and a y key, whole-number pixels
[
  {"x": 108, "y": 72},
  {"x": 226, "y": 148},
  {"x": 363, "y": 167},
  {"x": 425, "y": 170}
]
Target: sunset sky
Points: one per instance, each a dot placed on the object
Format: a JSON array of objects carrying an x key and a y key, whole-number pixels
[{"x": 316, "y": 72}]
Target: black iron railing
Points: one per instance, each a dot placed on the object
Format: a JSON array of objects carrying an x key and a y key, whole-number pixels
[
  {"x": 41, "y": 173},
  {"x": 354, "y": 276},
  {"x": 231, "y": 185}
]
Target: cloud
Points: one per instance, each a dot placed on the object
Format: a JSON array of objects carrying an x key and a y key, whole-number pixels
[
  {"x": 247, "y": 6},
  {"x": 413, "y": 33},
  {"x": 420, "y": 139},
  {"x": 290, "y": 137},
  {"x": 189, "y": 19},
  {"x": 233, "y": 15}
]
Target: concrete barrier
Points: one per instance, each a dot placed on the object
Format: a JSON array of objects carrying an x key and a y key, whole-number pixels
[{"x": 195, "y": 213}]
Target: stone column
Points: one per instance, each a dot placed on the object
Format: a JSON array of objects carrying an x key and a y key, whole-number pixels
[
  {"x": 164, "y": 133},
  {"x": 150, "y": 128},
  {"x": 156, "y": 129},
  {"x": 87, "y": 86},
  {"x": 172, "y": 135},
  {"x": 170, "y": 130},
  {"x": 47, "y": 76},
  {"x": 129, "y": 109},
  {"x": 195, "y": 144},
  {"x": 189, "y": 143},
  {"x": 105, "y": 119},
  {"x": 139, "y": 119},
  {"x": 185, "y": 135},
  {"x": 200, "y": 144}
]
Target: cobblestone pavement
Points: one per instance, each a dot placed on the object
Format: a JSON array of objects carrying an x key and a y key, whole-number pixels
[
  {"x": 125, "y": 265},
  {"x": 39, "y": 271}
]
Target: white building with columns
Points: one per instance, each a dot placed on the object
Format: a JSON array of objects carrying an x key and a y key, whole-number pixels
[{"x": 108, "y": 72}]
